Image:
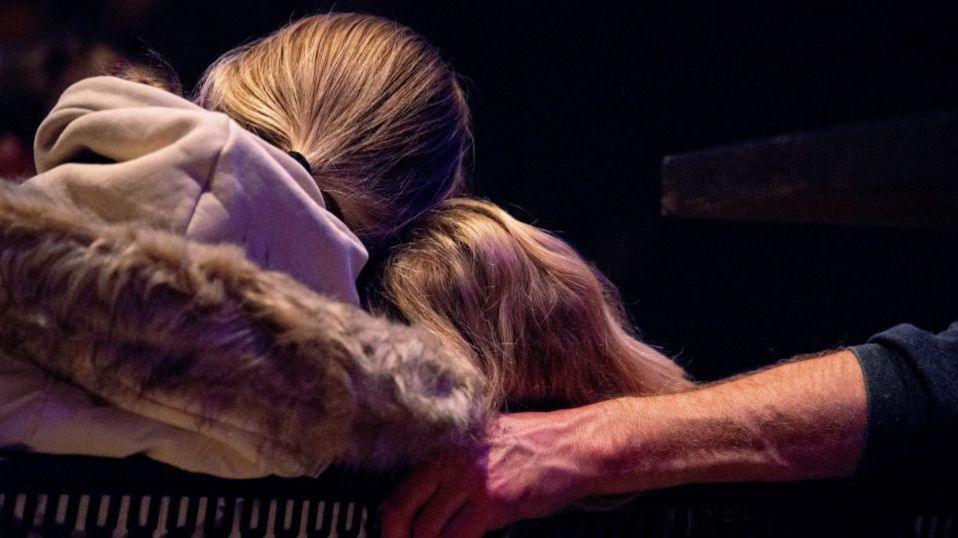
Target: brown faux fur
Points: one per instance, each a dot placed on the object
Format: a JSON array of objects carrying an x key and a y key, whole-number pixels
[{"x": 139, "y": 316}]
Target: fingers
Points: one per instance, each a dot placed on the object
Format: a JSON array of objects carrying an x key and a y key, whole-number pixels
[
  {"x": 444, "y": 503},
  {"x": 400, "y": 508},
  {"x": 471, "y": 521}
]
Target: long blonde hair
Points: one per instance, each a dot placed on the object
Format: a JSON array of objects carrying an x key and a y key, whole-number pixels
[
  {"x": 545, "y": 326},
  {"x": 381, "y": 118}
]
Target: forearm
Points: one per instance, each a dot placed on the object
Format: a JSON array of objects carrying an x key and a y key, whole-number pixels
[
  {"x": 795, "y": 421},
  {"x": 799, "y": 420}
]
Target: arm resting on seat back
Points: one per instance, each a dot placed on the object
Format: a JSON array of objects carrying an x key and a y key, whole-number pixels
[
  {"x": 887, "y": 409},
  {"x": 795, "y": 421},
  {"x": 200, "y": 337}
]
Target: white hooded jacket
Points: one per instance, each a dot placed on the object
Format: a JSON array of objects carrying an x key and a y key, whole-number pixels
[
  {"x": 129, "y": 155},
  {"x": 133, "y": 153}
]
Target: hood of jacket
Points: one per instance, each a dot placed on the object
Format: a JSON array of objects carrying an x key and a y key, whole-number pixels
[
  {"x": 128, "y": 152},
  {"x": 200, "y": 337}
]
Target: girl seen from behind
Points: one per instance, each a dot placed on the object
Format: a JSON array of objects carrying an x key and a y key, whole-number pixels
[{"x": 547, "y": 328}]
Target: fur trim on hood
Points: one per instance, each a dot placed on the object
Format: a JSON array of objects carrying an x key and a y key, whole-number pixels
[{"x": 200, "y": 337}]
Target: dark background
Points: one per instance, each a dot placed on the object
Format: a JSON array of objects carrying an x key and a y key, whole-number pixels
[{"x": 575, "y": 105}]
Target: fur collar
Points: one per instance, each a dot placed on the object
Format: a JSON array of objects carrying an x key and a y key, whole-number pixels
[{"x": 200, "y": 337}]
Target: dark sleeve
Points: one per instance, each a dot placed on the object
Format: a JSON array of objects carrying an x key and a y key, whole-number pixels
[{"x": 911, "y": 378}]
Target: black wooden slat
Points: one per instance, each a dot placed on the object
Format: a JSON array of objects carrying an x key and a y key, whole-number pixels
[
  {"x": 143, "y": 516},
  {"x": 350, "y": 519},
  {"x": 111, "y": 503},
  {"x": 254, "y": 518},
  {"x": 324, "y": 528},
  {"x": 187, "y": 529},
  {"x": 291, "y": 509},
  {"x": 219, "y": 524},
  {"x": 824, "y": 509}
]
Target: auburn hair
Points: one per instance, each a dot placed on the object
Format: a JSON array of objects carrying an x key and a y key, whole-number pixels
[
  {"x": 547, "y": 328},
  {"x": 380, "y": 117}
]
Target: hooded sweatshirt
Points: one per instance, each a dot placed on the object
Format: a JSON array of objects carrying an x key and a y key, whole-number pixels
[
  {"x": 123, "y": 331},
  {"x": 129, "y": 152}
]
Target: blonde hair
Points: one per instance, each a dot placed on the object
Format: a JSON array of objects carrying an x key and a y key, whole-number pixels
[
  {"x": 381, "y": 118},
  {"x": 544, "y": 325}
]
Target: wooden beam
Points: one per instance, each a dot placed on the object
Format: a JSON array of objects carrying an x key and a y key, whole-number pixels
[{"x": 900, "y": 172}]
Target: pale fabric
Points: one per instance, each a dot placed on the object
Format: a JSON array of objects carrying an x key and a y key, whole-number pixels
[
  {"x": 130, "y": 152},
  {"x": 45, "y": 415}
]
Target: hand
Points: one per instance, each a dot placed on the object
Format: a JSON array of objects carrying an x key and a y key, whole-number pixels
[{"x": 528, "y": 468}]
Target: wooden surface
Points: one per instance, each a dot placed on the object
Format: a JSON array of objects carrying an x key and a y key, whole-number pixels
[{"x": 898, "y": 172}]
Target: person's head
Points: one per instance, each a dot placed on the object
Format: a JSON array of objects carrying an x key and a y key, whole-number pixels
[
  {"x": 381, "y": 118},
  {"x": 544, "y": 325}
]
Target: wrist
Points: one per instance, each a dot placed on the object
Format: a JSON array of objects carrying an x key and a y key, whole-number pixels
[
  {"x": 663, "y": 441},
  {"x": 637, "y": 447},
  {"x": 614, "y": 441}
]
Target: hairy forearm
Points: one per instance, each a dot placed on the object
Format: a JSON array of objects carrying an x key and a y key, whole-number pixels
[
  {"x": 799, "y": 420},
  {"x": 795, "y": 421}
]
